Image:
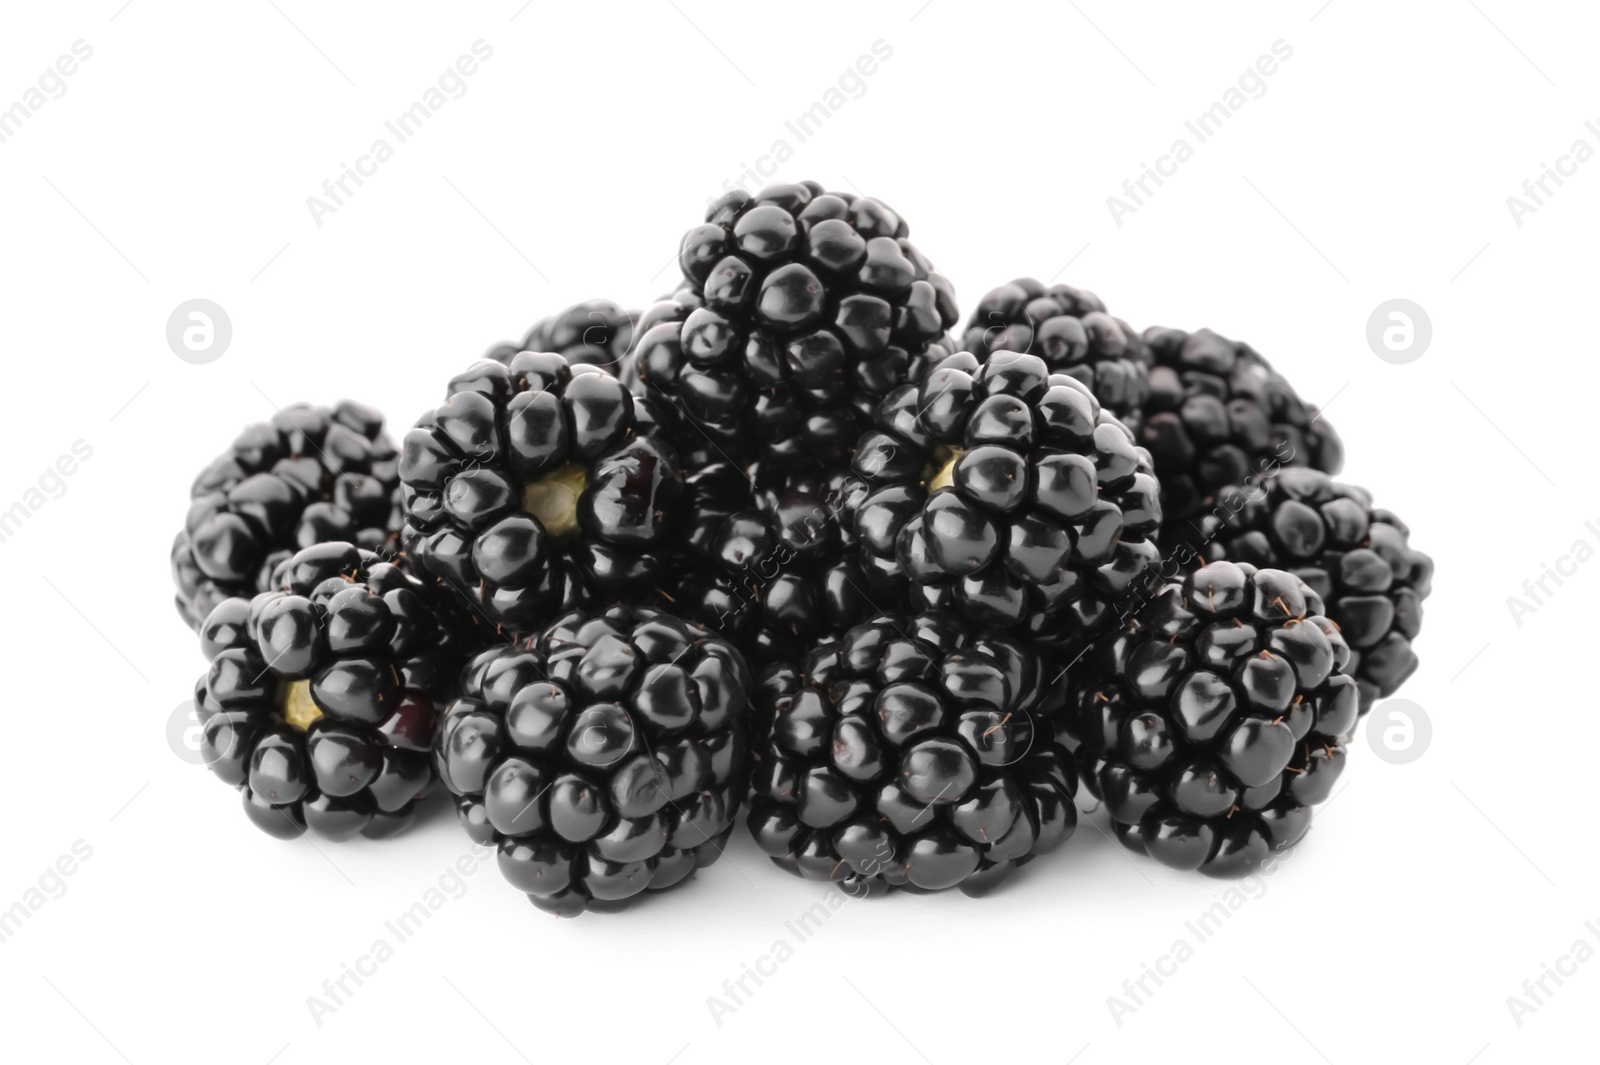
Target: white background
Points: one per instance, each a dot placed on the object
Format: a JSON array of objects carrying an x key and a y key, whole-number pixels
[{"x": 1376, "y": 165}]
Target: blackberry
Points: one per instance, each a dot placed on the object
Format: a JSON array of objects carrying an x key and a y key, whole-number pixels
[
  {"x": 591, "y": 333},
  {"x": 311, "y": 474},
  {"x": 813, "y": 305},
  {"x": 1005, "y": 493},
  {"x": 1070, "y": 330},
  {"x": 1218, "y": 415},
  {"x": 537, "y": 484},
  {"x": 909, "y": 754},
  {"x": 774, "y": 577},
  {"x": 1215, "y": 717},
  {"x": 323, "y": 694},
  {"x": 603, "y": 758},
  {"x": 1358, "y": 559}
]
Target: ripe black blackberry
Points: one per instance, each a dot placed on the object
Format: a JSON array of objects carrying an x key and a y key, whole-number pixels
[
  {"x": 1070, "y": 330},
  {"x": 603, "y": 759},
  {"x": 775, "y": 575},
  {"x": 1218, "y": 415},
  {"x": 1358, "y": 559},
  {"x": 1215, "y": 717},
  {"x": 909, "y": 754},
  {"x": 324, "y": 694},
  {"x": 1004, "y": 493},
  {"x": 536, "y": 484},
  {"x": 813, "y": 305},
  {"x": 311, "y": 474},
  {"x": 591, "y": 333}
]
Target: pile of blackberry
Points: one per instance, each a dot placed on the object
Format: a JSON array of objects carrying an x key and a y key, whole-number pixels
[{"x": 783, "y": 550}]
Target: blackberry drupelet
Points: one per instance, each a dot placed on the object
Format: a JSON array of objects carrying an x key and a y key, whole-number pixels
[
  {"x": 604, "y": 758},
  {"x": 1358, "y": 559},
  {"x": 324, "y": 694},
  {"x": 705, "y": 423},
  {"x": 591, "y": 333},
  {"x": 1004, "y": 493},
  {"x": 536, "y": 485},
  {"x": 712, "y": 493},
  {"x": 1070, "y": 330},
  {"x": 813, "y": 306},
  {"x": 830, "y": 483},
  {"x": 1215, "y": 718},
  {"x": 911, "y": 753},
  {"x": 310, "y": 475},
  {"x": 1219, "y": 415}
]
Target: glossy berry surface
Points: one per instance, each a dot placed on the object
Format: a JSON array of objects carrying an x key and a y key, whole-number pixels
[
  {"x": 1215, "y": 717},
  {"x": 603, "y": 759},
  {"x": 591, "y": 333},
  {"x": 1358, "y": 559},
  {"x": 811, "y": 305},
  {"x": 768, "y": 568},
  {"x": 536, "y": 484},
  {"x": 1005, "y": 493},
  {"x": 324, "y": 694},
  {"x": 911, "y": 753},
  {"x": 1070, "y": 330},
  {"x": 703, "y": 414},
  {"x": 1218, "y": 415},
  {"x": 310, "y": 475}
]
